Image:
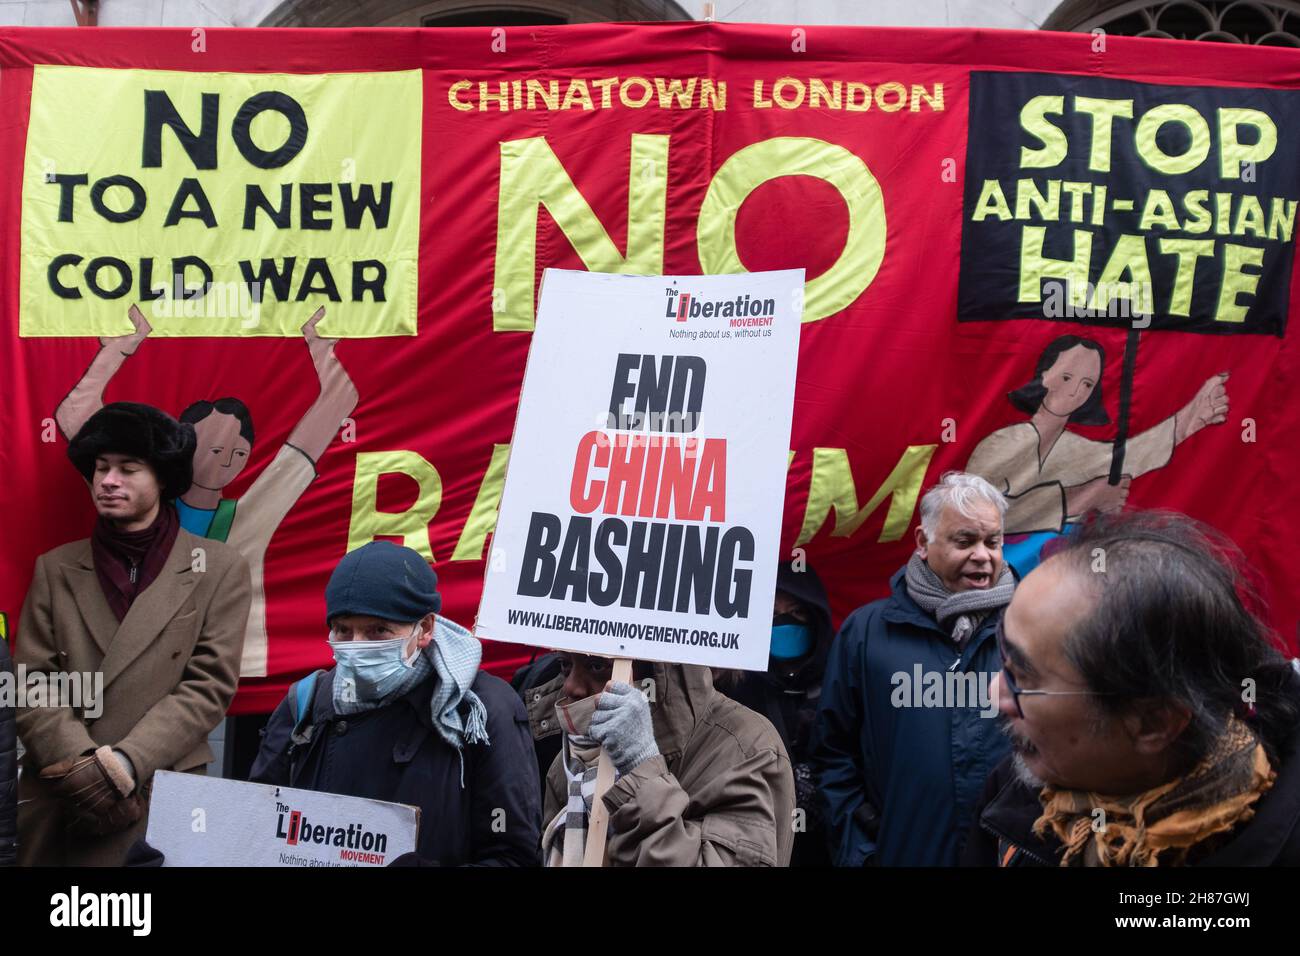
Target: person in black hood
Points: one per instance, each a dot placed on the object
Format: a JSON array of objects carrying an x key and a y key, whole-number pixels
[{"x": 787, "y": 692}]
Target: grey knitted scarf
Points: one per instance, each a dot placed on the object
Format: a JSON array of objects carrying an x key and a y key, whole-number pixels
[
  {"x": 964, "y": 609},
  {"x": 459, "y": 716}
]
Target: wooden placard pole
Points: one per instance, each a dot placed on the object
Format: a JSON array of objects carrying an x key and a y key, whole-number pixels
[{"x": 598, "y": 825}]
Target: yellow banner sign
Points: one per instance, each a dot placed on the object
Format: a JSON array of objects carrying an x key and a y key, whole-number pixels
[{"x": 225, "y": 204}]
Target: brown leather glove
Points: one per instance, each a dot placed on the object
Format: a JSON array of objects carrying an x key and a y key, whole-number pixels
[
  {"x": 99, "y": 791},
  {"x": 120, "y": 816}
]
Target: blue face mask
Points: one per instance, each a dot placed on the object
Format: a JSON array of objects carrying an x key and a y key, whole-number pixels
[
  {"x": 372, "y": 669},
  {"x": 790, "y": 641}
]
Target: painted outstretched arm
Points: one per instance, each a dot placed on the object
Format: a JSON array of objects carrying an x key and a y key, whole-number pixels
[
  {"x": 1048, "y": 505},
  {"x": 1209, "y": 406},
  {"x": 1152, "y": 449},
  {"x": 336, "y": 401},
  {"x": 87, "y": 396}
]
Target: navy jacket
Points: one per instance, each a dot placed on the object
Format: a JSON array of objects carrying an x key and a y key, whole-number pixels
[
  {"x": 911, "y": 774},
  {"x": 393, "y": 753}
]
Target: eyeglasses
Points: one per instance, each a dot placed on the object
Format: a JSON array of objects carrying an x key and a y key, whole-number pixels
[
  {"x": 1017, "y": 693},
  {"x": 596, "y": 665}
]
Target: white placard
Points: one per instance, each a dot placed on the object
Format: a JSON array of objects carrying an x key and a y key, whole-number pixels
[
  {"x": 207, "y": 821},
  {"x": 641, "y": 514}
]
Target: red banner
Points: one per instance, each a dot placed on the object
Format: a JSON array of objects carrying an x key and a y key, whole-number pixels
[{"x": 1064, "y": 261}]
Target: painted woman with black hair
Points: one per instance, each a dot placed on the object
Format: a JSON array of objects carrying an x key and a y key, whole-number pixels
[{"x": 1051, "y": 475}]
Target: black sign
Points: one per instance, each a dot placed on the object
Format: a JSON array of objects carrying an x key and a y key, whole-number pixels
[{"x": 1125, "y": 204}]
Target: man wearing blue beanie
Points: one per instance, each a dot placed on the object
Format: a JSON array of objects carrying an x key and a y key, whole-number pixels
[{"x": 405, "y": 715}]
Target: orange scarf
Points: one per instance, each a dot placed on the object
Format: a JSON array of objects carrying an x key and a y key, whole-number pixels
[{"x": 1160, "y": 826}]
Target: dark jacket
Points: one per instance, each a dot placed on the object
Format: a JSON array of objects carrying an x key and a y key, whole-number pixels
[
  {"x": 8, "y": 769},
  {"x": 901, "y": 783},
  {"x": 788, "y": 698},
  {"x": 1002, "y": 834},
  {"x": 393, "y": 753}
]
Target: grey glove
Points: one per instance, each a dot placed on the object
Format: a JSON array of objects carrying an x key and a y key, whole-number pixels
[{"x": 622, "y": 725}]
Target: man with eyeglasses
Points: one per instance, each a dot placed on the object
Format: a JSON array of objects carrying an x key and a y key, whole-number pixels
[
  {"x": 905, "y": 734},
  {"x": 1152, "y": 720},
  {"x": 701, "y": 780},
  {"x": 405, "y": 715}
]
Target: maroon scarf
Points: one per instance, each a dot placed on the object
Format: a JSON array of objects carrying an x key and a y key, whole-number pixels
[{"x": 126, "y": 562}]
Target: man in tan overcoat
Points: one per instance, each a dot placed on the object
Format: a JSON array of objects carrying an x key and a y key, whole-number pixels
[{"x": 159, "y": 612}]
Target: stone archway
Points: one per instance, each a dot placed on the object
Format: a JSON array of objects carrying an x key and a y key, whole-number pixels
[
  {"x": 453, "y": 13},
  {"x": 1261, "y": 22}
]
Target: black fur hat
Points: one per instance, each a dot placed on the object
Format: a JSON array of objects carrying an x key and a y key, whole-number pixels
[{"x": 148, "y": 433}]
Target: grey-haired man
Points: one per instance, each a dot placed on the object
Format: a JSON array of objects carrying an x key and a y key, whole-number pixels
[{"x": 905, "y": 733}]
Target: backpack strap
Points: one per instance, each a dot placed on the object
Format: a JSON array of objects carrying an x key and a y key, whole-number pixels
[{"x": 301, "y": 694}]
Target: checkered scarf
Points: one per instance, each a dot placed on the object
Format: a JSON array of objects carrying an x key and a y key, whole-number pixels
[
  {"x": 566, "y": 837},
  {"x": 456, "y": 655},
  {"x": 582, "y": 792},
  {"x": 459, "y": 716}
]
